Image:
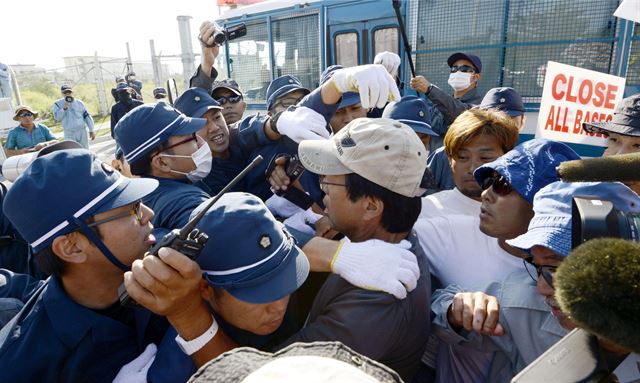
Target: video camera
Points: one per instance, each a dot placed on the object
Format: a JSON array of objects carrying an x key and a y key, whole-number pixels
[
  {"x": 596, "y": 218},
  {"x": 221, "y": 35}
]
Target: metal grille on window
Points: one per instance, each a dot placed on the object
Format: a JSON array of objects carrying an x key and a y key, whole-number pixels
[
  {"x": 295, "y": 48},
  {"x": 385, "y": 39},
  {"x": 249, "y": 61},
  {"x": 347, "y": 49},
  {"x": 633, "y": 69},
  {"x": 513, "y": 38}
]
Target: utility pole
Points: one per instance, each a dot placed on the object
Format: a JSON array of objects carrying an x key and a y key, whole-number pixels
[
  {"x": 155, "y": 64},
  {"x": 188, "y": 60},
  {"x": 129, "y": 62},
  {"x": 97, "y": 75},
  {"x": 15, "y": 86}
]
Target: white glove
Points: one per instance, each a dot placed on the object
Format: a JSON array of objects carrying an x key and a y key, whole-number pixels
[
  {"x": 282, "y": 207},
  {"x": 302, "y": 124},
  {"x": 378, "y": 265},
  {"x": 373, "y": 82},
  {"x": 136, "y": 370},
  {"x": 302, "y": 220},
  {"x": 389, "y": 60}
]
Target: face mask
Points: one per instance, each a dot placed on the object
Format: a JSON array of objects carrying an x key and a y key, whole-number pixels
[
  {"x": 459, "y": 80},
  {"x": 201, "y": 158}
]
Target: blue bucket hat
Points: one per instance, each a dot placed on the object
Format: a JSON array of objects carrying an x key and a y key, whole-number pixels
[
  {"x": 413, "y": 111},
  {"x": 551, "y": 224},
  {"x": 504, "y": 99},
  {"x": 475, "y": 60},
  {"x": 529, "y": 166},
  {"x": 89, "y": 187},
  {"x": 263, "y": 264},
  {"x": 149, "y": 125},
  {"x": 282, "y": 86},
  {"x": 195, "y": 102}
]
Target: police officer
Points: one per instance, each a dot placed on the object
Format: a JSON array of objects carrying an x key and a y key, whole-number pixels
[
  {"x": 161, "y": 143},
  {"x": 125, "y": 103},
  {"x": 72, "y": 327}
]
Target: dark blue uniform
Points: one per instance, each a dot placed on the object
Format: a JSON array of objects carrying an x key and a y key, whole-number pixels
[
  {"x": 58, "y": 340},
  {"x": 173, "y": 201},
  {"x": 120, "y": 109}
]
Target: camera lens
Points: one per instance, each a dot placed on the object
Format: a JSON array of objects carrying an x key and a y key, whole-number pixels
[{"x": 219, "y": 38}]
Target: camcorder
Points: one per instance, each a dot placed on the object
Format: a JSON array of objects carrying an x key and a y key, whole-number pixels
[
  {"x": 68, "y": 98},
  {"x": 578, "y": 356},
  {"x": 221, "y": 35}
]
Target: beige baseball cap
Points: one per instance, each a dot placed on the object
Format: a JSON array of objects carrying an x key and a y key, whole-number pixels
[{"x": 383, "y": 151}]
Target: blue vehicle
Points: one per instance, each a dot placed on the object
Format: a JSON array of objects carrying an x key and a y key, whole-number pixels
[{"x": 514, "y": 38}]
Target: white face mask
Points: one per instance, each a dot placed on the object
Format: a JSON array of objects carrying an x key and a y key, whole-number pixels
[
  {"x": 201, "y": 158},
  {"x": 460, "y": 80}
]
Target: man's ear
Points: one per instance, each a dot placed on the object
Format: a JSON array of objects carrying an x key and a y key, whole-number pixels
[
  {"x": 69, "y": 248},
  {"x": 373, "y": 208},
  {"x": 160, "y": 163}
]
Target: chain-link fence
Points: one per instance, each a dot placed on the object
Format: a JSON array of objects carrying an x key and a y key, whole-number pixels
[{"x": 514, "y": 38}]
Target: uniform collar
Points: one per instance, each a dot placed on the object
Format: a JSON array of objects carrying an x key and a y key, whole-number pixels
[
  {"x": 470, "y": 95},
  {"x": 72, "y": 321}
]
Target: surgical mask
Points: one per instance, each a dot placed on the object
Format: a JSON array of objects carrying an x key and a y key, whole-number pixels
[
  {"x": 201, "y": 158},
  {"x": 460, "y": 80}
]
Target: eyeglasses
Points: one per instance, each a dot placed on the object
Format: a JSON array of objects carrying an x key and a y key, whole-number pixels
[
  {"x": 537, "y": 270},
  {"x": 499, "y": 183},
  {"x": 463, "y": 69},
  {"x": 135, "y": 210},
  {"x": 192, "y": 138},
  {"x": 323, "y": 185},
  {"x": 232, "y": 99},
  {"x": 26, "y": 114}
]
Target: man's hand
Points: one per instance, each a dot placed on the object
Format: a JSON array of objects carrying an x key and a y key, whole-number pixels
[
  {"x": 168, "y": 284},
  {"x": 92, "y": 135},
  {"x": 324, "y": 228},
  {"x": 209, "y": 52},
  {"x": 373, "y": 82},
  {"x": 302, "y": 123},
  {"x": 378, "y": 265},
  {"x": 420, "y": 84},
  {"x": 389, "y": 60},
  {"x": 278, "y": 177},
  {"x": 136, "y": 370},
  {"x": 477, "y": 312}
]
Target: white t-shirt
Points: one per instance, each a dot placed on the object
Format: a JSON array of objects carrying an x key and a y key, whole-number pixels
[
  {"x": 459, "y": 253},
  {"x": 448, "y": 202}
]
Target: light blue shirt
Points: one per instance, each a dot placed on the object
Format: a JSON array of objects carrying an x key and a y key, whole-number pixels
[
  {"x": 19, "y": 138},
  {"x": 75, "y": 117}
]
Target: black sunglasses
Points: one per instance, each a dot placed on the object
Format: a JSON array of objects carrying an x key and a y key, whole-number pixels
[
  {"x": 26, "y": 114},
  {"x": 232, "y": 99},
  {"x": 463, "y": 69},
  {"x": 537, "y": 270},
  {"x": 499, "y": 183}
]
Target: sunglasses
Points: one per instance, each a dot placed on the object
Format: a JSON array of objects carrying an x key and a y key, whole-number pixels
[
  {"x": 26, "y": 114},
  {"x": 537, "y": 270},
  {"x": 136, "y": 211},
  {"x": 463, "y": 69},
  {"x": 499, "y": 183},
  {"x": 232, "y": 99}
]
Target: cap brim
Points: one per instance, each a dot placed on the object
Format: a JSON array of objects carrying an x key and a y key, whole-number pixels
[
  {"x": 419, "y": 127},
  {"x": 514, "y": 113},
  {"x": 131, "y": 190},
  {"x": 349, "y": 99},
  {"x": 292, "y": 273},
  {"x": 483, "y": 172},
  {"x": 188, "y": 126},
  {"x": 554, "y": 238},
  {"x": 321, "y": 157},
  {"x": 204, "y": 109},
  {"x": 610, "y": 127},
  {"x": 235, "y": 91}
]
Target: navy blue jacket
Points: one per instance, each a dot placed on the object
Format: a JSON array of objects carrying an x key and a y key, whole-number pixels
[{"x": 173, "y": 201}]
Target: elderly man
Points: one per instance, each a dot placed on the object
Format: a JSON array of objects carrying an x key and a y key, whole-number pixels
[
  {"x": 74, "y": 116},
  {"x": 29, "y": 136},
  {"x": 509, "y": 316}
]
